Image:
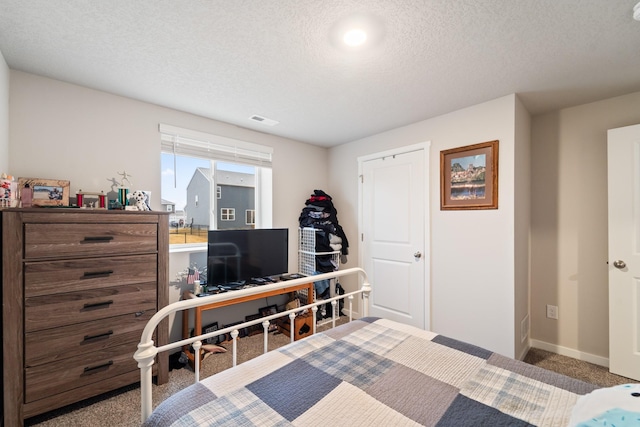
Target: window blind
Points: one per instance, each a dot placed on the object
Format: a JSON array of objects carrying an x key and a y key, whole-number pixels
[{"x": 188, "y": 142}]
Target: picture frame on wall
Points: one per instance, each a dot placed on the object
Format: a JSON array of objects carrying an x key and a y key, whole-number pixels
[
  {"x": 469, "y": 177},
  {"x": 46, "y": 192}
]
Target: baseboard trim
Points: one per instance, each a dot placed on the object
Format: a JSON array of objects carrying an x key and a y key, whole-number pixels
[
  {"x": 566, "y": 351},
  {"x": 524, "y": 351},
  {"x": 354, "y": 314}
]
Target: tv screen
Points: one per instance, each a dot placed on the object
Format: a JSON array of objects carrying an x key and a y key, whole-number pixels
[{"x": 243, "y": 255}]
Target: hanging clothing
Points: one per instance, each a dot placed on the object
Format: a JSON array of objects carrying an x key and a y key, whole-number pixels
[{"x": 320, "y": 213}]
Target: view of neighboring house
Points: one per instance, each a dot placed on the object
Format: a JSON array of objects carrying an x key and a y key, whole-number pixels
[
  {"x": 235, "y": 199},
  {"x": 168, "y": 206}
]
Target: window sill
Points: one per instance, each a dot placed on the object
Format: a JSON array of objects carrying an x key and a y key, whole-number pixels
[{"x": 189, "y": 247}]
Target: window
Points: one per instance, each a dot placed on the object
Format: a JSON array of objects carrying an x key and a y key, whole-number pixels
[
  {"x": 250, "y": 217},
  {"x": 202, "y": 171},
  {"x": 228, "y": 214}
]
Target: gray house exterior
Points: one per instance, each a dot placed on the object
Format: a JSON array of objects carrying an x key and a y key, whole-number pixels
[
  {"x": 198, "y": 201},
  {"x": 235, "y": 197}
]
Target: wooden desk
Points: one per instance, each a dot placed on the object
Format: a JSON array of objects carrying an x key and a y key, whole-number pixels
[{"x": 197, "y": 323}]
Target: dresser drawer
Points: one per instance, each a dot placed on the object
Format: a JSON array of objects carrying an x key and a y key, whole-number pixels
[
  {"x": 49, "y": 277},
  {"x": 76, "y": 240},
  {"x": 52, "y": 345},
  {"x": 52, "y": 311},
  {"x": 53, "y": 378}
]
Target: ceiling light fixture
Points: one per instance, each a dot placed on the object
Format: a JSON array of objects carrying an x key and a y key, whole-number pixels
[
  {"x": 636, "y": 12},
  {"x": 355, "y": 37}
]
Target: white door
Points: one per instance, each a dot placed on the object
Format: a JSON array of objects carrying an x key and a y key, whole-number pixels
[
  {"x": 393, "y": 234},
  {"x": 624, "y": 251}
]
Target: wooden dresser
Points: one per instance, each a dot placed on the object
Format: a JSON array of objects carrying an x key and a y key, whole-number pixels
[{"x": 78, "y": 287}]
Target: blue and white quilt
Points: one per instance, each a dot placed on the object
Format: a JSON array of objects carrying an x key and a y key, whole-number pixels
[{"x": 375, "y": 372}]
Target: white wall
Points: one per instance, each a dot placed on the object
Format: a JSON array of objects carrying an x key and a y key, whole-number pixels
[
  {"x": 569, "y": 225},
  {"x": 63, "y": 131},
  {"x": 472, "y": 252},
  {"x": 4, "y": 116}
]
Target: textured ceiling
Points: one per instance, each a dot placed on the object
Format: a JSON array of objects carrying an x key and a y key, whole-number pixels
[{"x": 282, "y": 59}]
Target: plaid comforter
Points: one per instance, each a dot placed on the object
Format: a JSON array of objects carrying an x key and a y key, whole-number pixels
[{"x": 375, "y": 372}]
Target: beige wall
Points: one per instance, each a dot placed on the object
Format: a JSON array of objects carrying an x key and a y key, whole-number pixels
[
  {"x": 4, "y": 116},
  {"x": 569, "y": 225},
  {"x": 60, "y": 130},
  {"x": 472, "y": 255},
  {"x": 64, "y": 131}
]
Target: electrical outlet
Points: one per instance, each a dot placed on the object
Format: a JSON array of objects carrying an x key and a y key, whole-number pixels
[{"x": 552, "y": 311}]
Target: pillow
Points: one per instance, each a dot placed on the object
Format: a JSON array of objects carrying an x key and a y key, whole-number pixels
[{"x": 618, "y": 405}]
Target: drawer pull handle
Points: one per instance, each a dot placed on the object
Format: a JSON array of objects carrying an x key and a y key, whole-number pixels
[
  {"x": 98, "y": 336},
  {"x": 88, "y": 274},
  {"x": 97, "y": 239},
  {"x": 98, "y": 304},
  {"x": 90, "y": 369}
]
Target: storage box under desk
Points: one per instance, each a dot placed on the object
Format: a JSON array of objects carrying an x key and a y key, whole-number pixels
[{"x": 300, "y": 330}]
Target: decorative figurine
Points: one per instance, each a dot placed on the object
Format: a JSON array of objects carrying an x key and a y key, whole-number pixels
[
  {"x": 140, "y": 200},
  {"x": 125, "y": 177}
]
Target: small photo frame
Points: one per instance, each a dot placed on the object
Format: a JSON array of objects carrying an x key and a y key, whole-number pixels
[
  {"x": 469, "y": 177},
  {"x": 211, "y": 328},
  {"x": 268, "y": 311},
  {"x": 253, "y": 329},
  {"x": 46, "y": 192},
  {"x": 241, "y": 331}
]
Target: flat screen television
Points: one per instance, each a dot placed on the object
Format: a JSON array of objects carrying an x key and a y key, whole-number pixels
[{"x": 246, "y": 254}]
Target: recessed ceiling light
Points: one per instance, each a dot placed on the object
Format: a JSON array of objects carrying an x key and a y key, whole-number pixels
[
  {"x": 353, "y": 33},
  {"x": 355, "y": 37}
]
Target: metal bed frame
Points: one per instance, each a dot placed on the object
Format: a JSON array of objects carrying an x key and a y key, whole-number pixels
[{"x": 147, "y": 351}]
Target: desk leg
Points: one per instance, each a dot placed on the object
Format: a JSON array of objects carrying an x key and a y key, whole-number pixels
[
  {"x": 185, "y": 324},
  {"x": 185, "y": 334}
]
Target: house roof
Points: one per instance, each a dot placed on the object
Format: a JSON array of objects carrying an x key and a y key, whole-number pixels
[{"x": 284, "y": 60}]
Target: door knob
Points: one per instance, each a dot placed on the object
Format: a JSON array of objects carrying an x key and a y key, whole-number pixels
[
  {"x": 619, "y": 264},
  {"x": 418, "y": 254}
]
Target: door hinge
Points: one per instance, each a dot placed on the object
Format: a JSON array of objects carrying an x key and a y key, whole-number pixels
[
  {"x": 361, "y": 179},
  {"x": 362, "y": 237}
]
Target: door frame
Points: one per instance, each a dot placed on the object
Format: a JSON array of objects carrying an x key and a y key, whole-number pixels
[{"x": 425, "y": 148}]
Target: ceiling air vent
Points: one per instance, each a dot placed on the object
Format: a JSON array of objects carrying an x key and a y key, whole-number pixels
[{"x": 263, "y": 120}]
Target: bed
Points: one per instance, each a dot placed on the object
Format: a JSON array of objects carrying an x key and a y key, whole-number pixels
[{"x": 374, "y": 371}]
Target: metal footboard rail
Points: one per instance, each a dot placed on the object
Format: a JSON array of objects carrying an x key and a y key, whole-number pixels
[{"x": 147, "y": 351}]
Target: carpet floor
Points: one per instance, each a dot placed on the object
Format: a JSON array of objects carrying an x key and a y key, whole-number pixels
[{"x": 122, "y": 407}]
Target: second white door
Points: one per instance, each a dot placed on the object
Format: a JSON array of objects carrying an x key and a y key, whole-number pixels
[
  {"x": 624, "y": 251},
  {"x": 393, "y": 235}
]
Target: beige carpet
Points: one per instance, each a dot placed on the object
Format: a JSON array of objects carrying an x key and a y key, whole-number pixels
[
  {"x": 588, "y": 372},
  {"x": 122, "y": 408}
]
